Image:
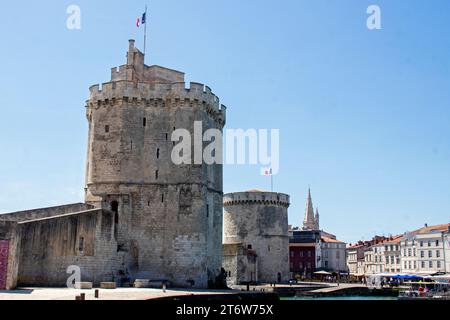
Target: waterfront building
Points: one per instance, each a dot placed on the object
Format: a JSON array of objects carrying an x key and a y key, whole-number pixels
[
  {"x": 355, "y": 259},
  {"x": 369, "y": 261},
  {"x": 333, "y": 253},
  {"x": 383, "y": 256},
  {"x": 304, "y": 252},
  {"x": 392, "y": 256},
  {"x": 378, "y": 253},
  {"x": 447, "y": 250},
  {"x": 423, "y": 250},
  {"x": 366, "y": 257},
  {"x": 312, "y": 249}
]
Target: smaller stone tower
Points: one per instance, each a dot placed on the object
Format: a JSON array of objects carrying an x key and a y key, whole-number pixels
[{"x": 257, "y": 221}]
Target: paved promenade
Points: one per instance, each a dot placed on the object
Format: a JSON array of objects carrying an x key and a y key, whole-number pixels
[
  {"x": 334, "y": 287},
  {"x": 146, "y": 294},
  {"x": 307, "y": 286},
  {"x": 105, "y": 294}
]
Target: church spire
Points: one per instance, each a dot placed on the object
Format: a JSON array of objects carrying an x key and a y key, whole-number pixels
[
  {"x": 309, "y": 221},
  {"x": 316, "y": 219}
]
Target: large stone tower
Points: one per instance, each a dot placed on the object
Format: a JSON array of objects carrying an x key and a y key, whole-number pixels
[
  {"x": 258, "y": 221},
  {"x": 168, "y": 218}
]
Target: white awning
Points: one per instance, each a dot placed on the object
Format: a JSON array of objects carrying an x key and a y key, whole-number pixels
[
  {"x": 442, "y": 277},
  {"x": 323, "y": 273}
]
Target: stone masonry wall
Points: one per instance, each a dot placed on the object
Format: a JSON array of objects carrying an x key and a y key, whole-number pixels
[
  {"x": 9, "y": 254},
  {"x": 45, "y": 212},
  {"x": 259, "y": 220},
  {"x": 50, "y": 246},
  {"x": 169, "y": 216},
  {"x": 240, "y": 264}
]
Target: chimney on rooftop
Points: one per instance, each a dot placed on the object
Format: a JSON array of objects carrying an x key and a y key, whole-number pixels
[{"x": 426, "y": 225}]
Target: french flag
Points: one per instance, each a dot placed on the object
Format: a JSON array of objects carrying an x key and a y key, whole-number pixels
[{"x": 142, "y": 20}]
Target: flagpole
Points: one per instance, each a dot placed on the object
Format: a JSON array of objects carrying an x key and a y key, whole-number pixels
[{"x": 145, "y": 32}]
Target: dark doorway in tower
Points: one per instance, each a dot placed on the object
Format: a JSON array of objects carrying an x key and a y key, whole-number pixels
[
  {"x": 279, "y": 277},
  {"x": 115, "y": 210}
]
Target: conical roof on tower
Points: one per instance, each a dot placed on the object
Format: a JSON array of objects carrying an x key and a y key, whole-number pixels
[
  {"x": 309, "y": 221},
  {"x": 316, "y": 219}
]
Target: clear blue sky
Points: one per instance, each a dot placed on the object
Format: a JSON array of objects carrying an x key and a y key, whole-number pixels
[{"x": 364, "y": 115}]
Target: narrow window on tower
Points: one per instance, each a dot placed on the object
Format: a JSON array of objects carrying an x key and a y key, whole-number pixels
[
  {"x": 174, "y": 141},
  {"x": 167, "y": 136},
  {"x": 131, "y": 146},
  {"x": 207, "y": 210},
  {"x": 156, "y": 174},
  {"x": 144, "y": 122},
  {"x": 115, "y": 210},
  {"x": 106, "y": 128},
  {"x": 81, "y": 244},
  {"x": 162, "y": 197},
  {"x": 157, "y": 153}
]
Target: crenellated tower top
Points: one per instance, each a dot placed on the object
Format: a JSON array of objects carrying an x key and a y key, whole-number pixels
[
  {"x": 253, "y": 197},
  {"x": 140, "y": 83}
]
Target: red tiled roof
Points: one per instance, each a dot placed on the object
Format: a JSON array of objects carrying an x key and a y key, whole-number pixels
[
  {"x": 394, "y": 240},
  {"x": 330, "y": 240},
  {"x": 439, "y": 227},
  {"x": 355, "y": 246}
]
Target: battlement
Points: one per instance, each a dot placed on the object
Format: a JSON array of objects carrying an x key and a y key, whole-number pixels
[
  {"x": 256, "y": 197},
  {"x": 139, "y": 91},
  {"x": 138, "y": 83}
]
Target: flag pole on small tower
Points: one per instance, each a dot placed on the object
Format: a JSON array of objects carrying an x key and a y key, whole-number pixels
[
  {"x": 268, "y": 172},
  {"x": 271, "y": 180},
  {"x": 139, "y": 22}
]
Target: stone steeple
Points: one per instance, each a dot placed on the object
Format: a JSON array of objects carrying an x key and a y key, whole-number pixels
[
  {"x": 309, "y": 221},
  {"x": 316, "y": 220}
]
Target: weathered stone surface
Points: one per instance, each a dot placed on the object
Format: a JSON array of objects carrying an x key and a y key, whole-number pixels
[
  {"x": 141, "y": 283},
  {"x": 83, "y": 285},
  {"x": 9, "y": 254},
  {"x": 256, "y": 227},
  {"x": 169, "y": 217},
  {"x": 49, "y": 246},
  {"x": 108, "y": 285},
  {"x": 45, "y": 212},
  {"x": 240, "y": 263},
  {"x": 144, "y": 216}
]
